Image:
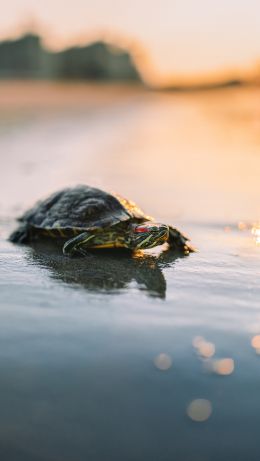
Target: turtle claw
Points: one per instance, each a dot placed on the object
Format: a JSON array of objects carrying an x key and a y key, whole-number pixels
[
  {"x": 179, "y": 241},
  {"x": 79, "y": 252},
  {"x": 82, "y": 252}
]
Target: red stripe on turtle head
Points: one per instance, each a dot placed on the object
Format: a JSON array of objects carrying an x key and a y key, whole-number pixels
[{"x": 141, "y": 229}]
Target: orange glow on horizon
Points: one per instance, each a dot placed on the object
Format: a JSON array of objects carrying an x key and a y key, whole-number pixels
[
  {"x": 151, "y": 74},
  {"x": 176, "y": 43}
]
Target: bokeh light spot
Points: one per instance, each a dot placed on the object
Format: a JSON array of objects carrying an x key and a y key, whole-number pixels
[
  {"x": 242, "y": 226},
  {"x": 197, "y": 340},
  {"x": 199, "y": 410},
  {"x": 204, "y": 348},
  {"x": 163, "y": 362},
  {"x": 255, "y": 342},
  {"x": 224, "y": 367},
  {"x": 256, "y": 233}
]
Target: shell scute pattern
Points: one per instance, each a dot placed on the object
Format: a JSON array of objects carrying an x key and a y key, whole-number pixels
[{"x": 78, "y": 208}]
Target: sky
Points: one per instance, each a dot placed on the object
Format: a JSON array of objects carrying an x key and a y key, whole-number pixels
[{"x": 180, "y": 39}]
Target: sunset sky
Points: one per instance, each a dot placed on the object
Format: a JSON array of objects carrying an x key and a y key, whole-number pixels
[{"x": 190, "y": 39}]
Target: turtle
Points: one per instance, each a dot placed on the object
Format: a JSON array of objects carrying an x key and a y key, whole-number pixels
[{"x": 85, "y": 217}]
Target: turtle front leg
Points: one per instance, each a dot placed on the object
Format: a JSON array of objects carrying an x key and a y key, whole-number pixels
[
  {"x": 179, "y": 241},
  {"x": 77, "y": 244}
]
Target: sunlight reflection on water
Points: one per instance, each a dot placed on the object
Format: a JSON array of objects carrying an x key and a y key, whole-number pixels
[{"x": 256, "y": 233}]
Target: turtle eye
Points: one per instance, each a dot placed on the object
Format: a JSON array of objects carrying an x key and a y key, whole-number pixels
[{"x": 141, "y": 229}]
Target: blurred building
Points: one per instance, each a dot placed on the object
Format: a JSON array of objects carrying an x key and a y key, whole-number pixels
[{"x": 27, "y": 58}]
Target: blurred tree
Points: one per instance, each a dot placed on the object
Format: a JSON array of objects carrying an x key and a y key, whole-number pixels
[{"x": 26, "y": 58}]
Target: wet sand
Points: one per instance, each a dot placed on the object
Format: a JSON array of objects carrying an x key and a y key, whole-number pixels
[{"x": 98, "y": 357}]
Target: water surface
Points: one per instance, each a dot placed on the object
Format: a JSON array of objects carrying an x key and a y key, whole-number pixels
[{"x": 100, "y": 357}]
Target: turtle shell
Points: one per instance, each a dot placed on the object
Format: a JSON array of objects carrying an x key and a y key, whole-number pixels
[{"x": 82, "y": 207}]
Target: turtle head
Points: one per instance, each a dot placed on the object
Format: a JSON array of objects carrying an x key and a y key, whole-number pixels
[{"x": 148, "y": 235}]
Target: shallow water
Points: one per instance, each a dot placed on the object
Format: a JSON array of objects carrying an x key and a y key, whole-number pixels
[{"x": 100, "y": 357}]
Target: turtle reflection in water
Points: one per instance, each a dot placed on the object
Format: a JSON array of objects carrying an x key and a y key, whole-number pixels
[
  {"x": 107, "y": 271},
  {"x": 85, "y": 217}
]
